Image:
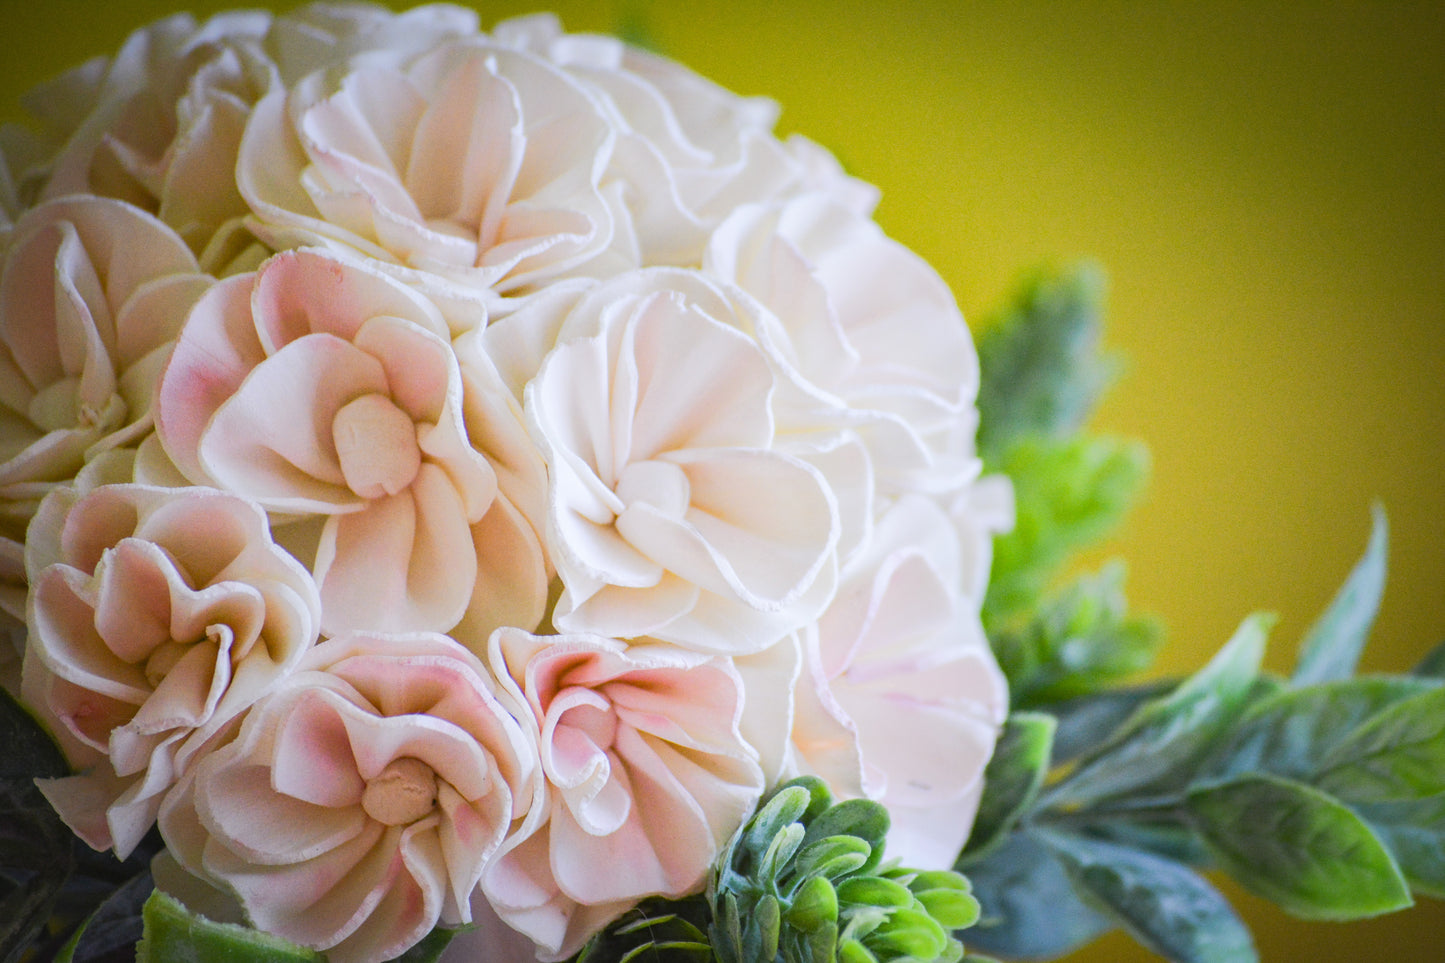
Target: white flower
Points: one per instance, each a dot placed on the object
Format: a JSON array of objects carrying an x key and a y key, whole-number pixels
[
  {"x": 320, "y": 386},
  {"x": 900, "y": 699},
  {"x": 156, "y": 616},
  {"x": 669, "y": 514},
  {"x": 473, "y": 162},
  {"x": 868, "y": 335},
  {"x": 688, "y": 151},
  {"x": 647, "y": 777},
  {"x": 362, "y": 799}
]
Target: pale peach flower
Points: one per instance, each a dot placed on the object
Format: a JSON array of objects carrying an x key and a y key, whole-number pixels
[
  {"x": 156, "y": 617},
  {"x": 92, "y": 294},
  {"x": 473, "y": 162},
  {"x": 320, "y": 386},
  {"x": 647, "y": 776},
  {"x": 900, "y": 698},
  {"x": 669, "y": 512},
  {"x": 363, "y": 797}
]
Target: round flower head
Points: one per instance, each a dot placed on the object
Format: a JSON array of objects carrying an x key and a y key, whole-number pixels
[
  {"x": 156, "y": 617},
  {"x": 646, "y": 778},
  {"x": 92, "y": 294},
  {"x": 319, "y": 386},
  {"x": 670, "y": 514},
  {"x": 362, "y": 799}
]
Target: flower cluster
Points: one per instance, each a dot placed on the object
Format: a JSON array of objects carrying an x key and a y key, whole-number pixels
[{"x": 450, "y": 475}]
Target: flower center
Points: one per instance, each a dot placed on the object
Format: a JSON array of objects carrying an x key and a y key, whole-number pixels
[
  {"x": 376, "y": 444},
  {"x": 58, "y": 407},
  {"x": 402, "y": 793},
  {"x": 660, "y": 484}
]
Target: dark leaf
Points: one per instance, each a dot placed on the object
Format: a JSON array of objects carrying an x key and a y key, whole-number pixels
[
  {"x": 1085, "y": 722},
  {"x": 116, "y": 925},
  {"x": 1166, "y": 906}
]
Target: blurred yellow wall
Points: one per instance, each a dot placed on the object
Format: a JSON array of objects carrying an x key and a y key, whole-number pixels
[{"x": 1262, "y": 181}]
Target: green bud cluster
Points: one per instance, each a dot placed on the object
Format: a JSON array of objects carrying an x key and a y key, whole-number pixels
[{"x": 805, "y": 882}]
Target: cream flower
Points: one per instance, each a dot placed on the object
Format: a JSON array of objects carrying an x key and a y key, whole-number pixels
[
  {"x": 900, "y": 699},
  {"x": 646, "y": 772},
  {"x": 473, "y": 162},
  {"x": 156, "y": 616},
  {"x": 669, "y": 513},
  {"x": 688, "y": 151},
  {"x": 362, "y": 799},
  {"x": 867, "y": 334},
  {"x": 323, "y": 387},
  {"x": 92, "y": 294}
]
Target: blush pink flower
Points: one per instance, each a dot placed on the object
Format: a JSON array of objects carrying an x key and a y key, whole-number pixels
[
  {"x": 670, "y": 513},
  {"x": 474, "y": 162},
  {"x": 647, "y": 776},
  {"x": 319, "y": 386},
  {"x": 156, "y": 617},
  {"x": 362, "y": 799},
  {"x": 900, "y": 698}
]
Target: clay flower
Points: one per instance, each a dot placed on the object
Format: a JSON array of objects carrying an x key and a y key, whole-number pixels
[
  {"x": 646, "y": 773},
  {"x": 669, "y": 513},
  {"x": 900, "y": 699},
  {"x": 156, "y": 617},
  {"x": 323, "y": 387},
  {"x": 362, "y": 799},
  {"x": 474, "y": 162},
  {"x": 868, "y": 335},
  {"x": 92, "y": 294}
]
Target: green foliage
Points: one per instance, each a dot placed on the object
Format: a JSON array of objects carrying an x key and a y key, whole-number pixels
[
  {"x": 1078, "y": 641},
  {"x": 1014, "y": 776},
  {"x": 1298, "y": 846},
  {"x": 1041, "y": 368},
  {"x": 1331, "y": 649},
  {"x": 173, "y": 934},
  {"x": 1067, "y": 494},
  {"x": 805, "y": 881},
  {"x": 1324, "y": 793}
]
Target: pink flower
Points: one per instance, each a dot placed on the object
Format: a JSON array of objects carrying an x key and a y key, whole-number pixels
[
  {"x": 900, "y": 699},
  {"x": 646, "y": 773},
  {"x": 362, "y": 799},
  {"x": 156, "y": 617},
  {"x": 320, "y": 386}
]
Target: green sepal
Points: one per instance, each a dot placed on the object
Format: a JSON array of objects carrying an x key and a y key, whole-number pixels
[
  {"x": 1299, "y": 847},
  {"x": 173, "y": 934}
]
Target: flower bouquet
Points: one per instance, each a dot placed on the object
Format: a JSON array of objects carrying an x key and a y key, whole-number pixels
[{"x": 484, "y": 494}]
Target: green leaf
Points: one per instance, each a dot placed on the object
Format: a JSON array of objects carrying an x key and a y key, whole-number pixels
[
  {"x": 1166, "y": 906},
  {"x": 1066, "y": 495},
  {"x": 1299, "y": 847},
  {"x": 1414, "y": 829},
  {"x": 1157, "y": 747},
  {"x": 1028, "y": 908},
  {"x": 1079, "y": 640},
  {"x": 1041, "y": 372},
  {"x": 1331, "y": 649},
  {"x": 1293, "y": 732},
  {"x": 431, "y": 946},
  {"x": 1398, "y": 754},
  {"x": 1011, "y": 782},
  {"x": 173, "y": 934}
]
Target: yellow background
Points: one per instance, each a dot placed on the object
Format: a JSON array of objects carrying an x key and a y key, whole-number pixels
[{"x": 1262, "y": 181}]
